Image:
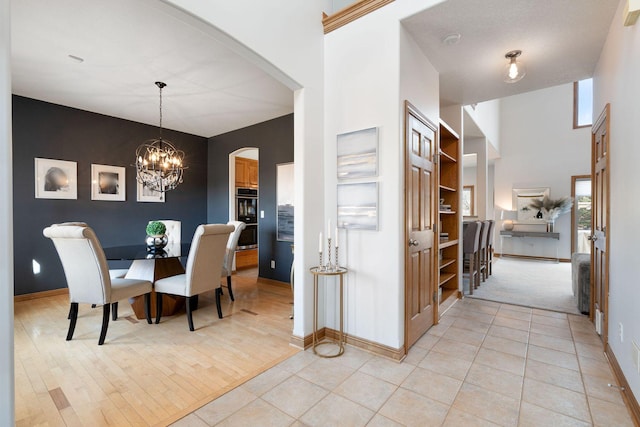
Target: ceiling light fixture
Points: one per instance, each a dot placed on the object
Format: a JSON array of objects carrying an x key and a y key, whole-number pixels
[
  {"x": 514, "y": 70},
  {"x": 159, "y": 164}
]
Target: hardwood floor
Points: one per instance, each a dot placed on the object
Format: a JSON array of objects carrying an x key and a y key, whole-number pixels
[{"x": 144, "y": 374}]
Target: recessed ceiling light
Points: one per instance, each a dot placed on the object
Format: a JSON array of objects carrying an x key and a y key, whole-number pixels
[
  {"x": 76, "y": 58},
  {"x": 451, "y": 39}
]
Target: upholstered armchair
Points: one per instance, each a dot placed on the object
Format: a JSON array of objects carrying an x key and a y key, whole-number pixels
[
  {"x": 87, "y": 273},
  {"x": 202, "y": 272},
  {"x": 232, "y": 244}
]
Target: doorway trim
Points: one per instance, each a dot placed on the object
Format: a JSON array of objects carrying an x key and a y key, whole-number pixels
[
  {"x": 603, "y": 120},
  {"x": 411, "y": 111},
  {"x": 575, "y": 178}
]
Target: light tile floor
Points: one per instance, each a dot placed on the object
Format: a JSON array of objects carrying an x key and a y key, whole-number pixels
[{"x": 485, "y": 364}]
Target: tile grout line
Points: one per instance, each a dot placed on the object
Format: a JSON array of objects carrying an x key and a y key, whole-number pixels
[
  {"x": 584, "y": 387},
  {"x": 524, "y": 373}
]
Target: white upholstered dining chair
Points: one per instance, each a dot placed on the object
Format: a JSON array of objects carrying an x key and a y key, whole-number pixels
[
  {"x": 85, "y": 268},
  {"x": 202, "y": 272},
  {"x": 232, "y": 244}
]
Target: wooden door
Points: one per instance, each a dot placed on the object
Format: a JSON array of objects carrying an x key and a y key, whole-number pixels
[
  {"x": 600, "y": 220},
  {"x": 420, "y": 216}
]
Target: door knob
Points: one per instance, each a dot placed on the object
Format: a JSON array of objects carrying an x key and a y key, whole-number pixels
[
  {"x": 592, "y": 238},
  {"x": 413, "y": 242}
]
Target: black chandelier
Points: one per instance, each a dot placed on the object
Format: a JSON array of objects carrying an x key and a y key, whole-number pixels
[{"x": 159, "y": 164}]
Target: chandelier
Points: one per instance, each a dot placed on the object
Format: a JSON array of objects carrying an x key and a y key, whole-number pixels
[{"x": 159, "y": 164}]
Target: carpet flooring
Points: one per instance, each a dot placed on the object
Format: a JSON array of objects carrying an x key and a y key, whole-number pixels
[{"x": 538, "y": 284}]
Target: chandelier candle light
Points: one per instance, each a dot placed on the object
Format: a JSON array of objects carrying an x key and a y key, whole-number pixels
[
  {"x": 159, "y": 164},
  {"x": 328, "y": 266}
]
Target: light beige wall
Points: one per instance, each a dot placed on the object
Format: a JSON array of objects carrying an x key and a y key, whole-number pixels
[
  {"x": 616, "y": 82},
  {"x": 540, "y": 148}
]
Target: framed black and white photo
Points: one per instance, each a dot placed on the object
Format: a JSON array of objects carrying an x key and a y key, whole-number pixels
[
  {"x": 108, "y": 183},
  {"x": 285, "y": 201},
  {"x": 522, "y": 199},
  {"x": 145, "y": 194},
  {"x": 358, "y": 206},
  {"x": 358, "y": 154},
  {"x": 56, "y": 179}
]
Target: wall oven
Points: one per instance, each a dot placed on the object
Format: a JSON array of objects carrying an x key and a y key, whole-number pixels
[{"x": 247, "y": 212}]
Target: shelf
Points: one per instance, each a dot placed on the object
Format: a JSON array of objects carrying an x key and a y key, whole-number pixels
[
  {"x": 447, "y": 157},
  {"x": 446, "y": 262},
  {"x": 447, "y": 212},
  {"x": 445, "y": 277},
  {"x": 447, "y": 243},
  {"x": 444, "y": 187}
]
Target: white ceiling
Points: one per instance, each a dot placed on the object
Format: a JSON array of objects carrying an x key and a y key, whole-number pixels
[
  {"x": 127, "y": 46},
  {"x": 561, "y": 41},
  {"x": 211, "y": 88}
]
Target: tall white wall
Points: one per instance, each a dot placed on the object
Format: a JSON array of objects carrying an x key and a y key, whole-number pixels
[
  {"x": 616, "y": 82},
  {"x": 7, "y": 397},
  {"x": 487, "y": 116},
  {"x": 286, "y": 39},
  {"x": 371, "y": 66},
  {"x": 540, "y": 148}
]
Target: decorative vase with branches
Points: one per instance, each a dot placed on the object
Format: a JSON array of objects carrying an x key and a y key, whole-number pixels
[{"x": 552, "y": 209}]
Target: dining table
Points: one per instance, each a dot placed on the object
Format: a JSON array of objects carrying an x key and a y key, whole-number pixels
[{"x": 152, "y": 265}]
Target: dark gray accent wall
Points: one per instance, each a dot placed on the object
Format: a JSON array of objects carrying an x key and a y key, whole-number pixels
[
  {"x": 41, "y": 129},
  {"x": 274, "y": 139}
]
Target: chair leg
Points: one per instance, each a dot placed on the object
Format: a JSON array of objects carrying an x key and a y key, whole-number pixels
[
  {"x": 114, "y": 311},
  {"x": 478, "y": 270},
  {"x": 472, "y": 275},
  {"x": 218, "y": 305},
  {"x": 105, "y": 323},
  {"x": 229, "y": 287},
  {"x": 189, "y": 314},
  {"x": 490, "y": 260},
  {"x": 70, "y": 311},
  {"x": 147, "y": 307},
  {"x": 158, "y": 307},
  {"x": 73, "y": 317}
]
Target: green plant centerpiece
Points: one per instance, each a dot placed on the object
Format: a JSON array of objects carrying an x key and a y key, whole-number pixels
[{"x": 156, "y": 238}]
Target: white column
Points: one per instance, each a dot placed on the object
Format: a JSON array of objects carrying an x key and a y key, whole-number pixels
[
  {"x": 7, "y": 394},
  {"x": 309, "y": 208}
]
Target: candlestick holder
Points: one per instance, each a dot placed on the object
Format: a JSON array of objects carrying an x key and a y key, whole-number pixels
[
  {"x": 337, "y": 260},
  {"x": 321, "y": 265},
  {"x": 329, "y": 265}
]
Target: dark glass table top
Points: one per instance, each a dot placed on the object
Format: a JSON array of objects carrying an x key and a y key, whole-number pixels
[{"x": 133, "y": 252}]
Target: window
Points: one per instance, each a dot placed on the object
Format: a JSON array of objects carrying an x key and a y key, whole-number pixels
[{"x": 582, "y": 103}]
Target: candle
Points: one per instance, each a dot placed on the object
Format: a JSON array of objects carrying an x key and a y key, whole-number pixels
[
  {"x": 320, "y": 243},
  {"x": 336, "y": 237},
  {"x": 329, "y": 230}
]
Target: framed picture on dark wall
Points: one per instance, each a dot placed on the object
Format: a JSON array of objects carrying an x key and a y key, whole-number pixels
[
  {"x": 56, "y": 179},
  {"x": 108, "y": 183},
  {"x": 145, "y": 194}
]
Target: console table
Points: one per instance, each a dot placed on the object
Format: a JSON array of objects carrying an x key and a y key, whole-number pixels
[
  {"x": 531, "y": 234},
  {"x": 543, "y": 234}
]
